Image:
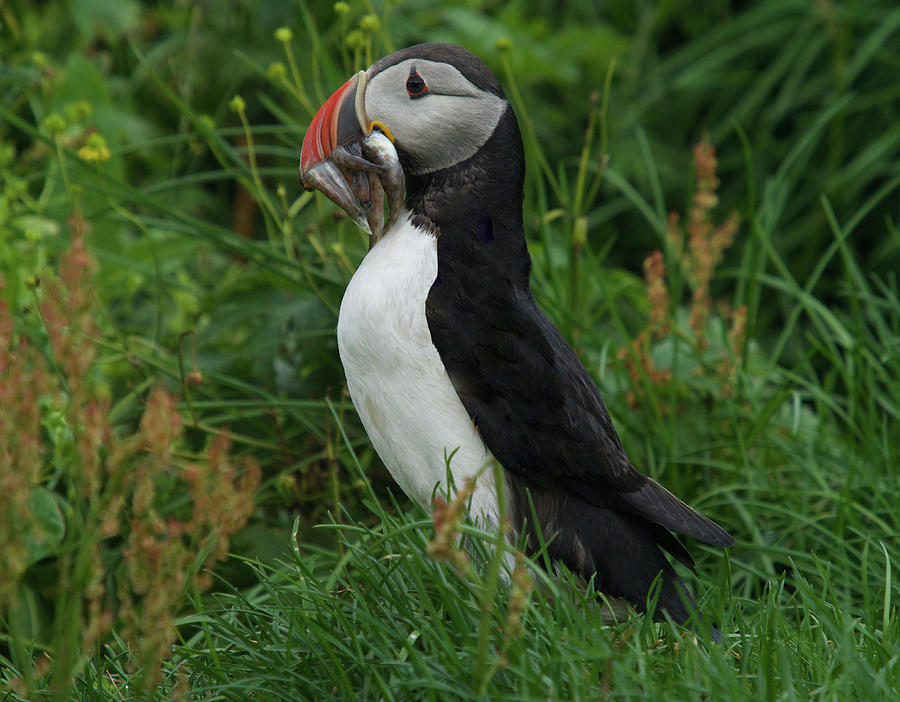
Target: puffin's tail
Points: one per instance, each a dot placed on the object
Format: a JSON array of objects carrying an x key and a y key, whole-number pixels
[{"x": 622, "y": 552}]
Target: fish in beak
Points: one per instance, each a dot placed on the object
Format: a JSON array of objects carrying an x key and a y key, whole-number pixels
[{"x": 352, "y": 161}]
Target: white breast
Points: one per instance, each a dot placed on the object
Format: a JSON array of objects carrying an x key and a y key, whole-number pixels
[{"x": 398, "y": 384}]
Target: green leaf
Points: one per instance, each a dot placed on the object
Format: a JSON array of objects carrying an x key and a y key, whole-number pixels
[
  {"x": 110, "y": 18},
  {"x": 49, "y": 525}
]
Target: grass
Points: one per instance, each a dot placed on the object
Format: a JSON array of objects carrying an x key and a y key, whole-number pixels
[
  {"x": 386, "y": 622},
  {"x": 213, "y": 276}
]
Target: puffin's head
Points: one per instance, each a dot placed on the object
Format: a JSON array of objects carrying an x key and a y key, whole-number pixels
[{"x": 438, "y": 104}]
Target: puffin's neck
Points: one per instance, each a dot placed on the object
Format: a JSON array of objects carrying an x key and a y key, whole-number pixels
[{"x": 477, "y": 203}]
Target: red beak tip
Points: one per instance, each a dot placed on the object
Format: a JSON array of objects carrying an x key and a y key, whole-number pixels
[{"x": 321, "y": 136}]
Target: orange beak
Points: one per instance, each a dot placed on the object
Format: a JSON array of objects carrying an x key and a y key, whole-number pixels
[
  {"x": 339, "y": 121},
  {"x": 352, "y": 161}
]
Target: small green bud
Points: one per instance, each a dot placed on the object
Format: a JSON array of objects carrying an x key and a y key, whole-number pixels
[
  {"x": 355, "y": 39},
  {"x": 277, "y": 71},
  {"x": 341, "y": 8},
  {"x": 285, "y": 484},
  {"x": 579, "y": 233},
  {"x": 284, "y": 35},
  {"x": 207, "y": 122},
  {"x": 370, "y": 24},
  {"x": 503, "y": 45},
  {"x": 54, "y": 123},
  {"x": 237, "y": 104}
]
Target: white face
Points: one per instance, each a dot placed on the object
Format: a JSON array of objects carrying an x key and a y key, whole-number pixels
[{"x": 446, "y": 124}]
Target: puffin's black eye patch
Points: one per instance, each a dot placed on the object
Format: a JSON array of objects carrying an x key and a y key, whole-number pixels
[{"x": 415, "y": 84}]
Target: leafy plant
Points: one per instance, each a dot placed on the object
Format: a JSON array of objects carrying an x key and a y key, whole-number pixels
[{"x": 83, "y": 529}]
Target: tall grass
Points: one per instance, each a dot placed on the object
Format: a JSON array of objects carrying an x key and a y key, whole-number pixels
[{"x": 769, "y": 399}]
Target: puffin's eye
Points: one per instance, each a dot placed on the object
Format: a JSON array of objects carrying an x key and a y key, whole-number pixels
[{"x": 415, "y": 85}]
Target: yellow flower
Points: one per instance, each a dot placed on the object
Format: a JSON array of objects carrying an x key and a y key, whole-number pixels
[{"x": 95, "y": 149}]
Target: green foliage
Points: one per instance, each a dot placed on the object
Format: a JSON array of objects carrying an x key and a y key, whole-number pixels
[
  {"x": 167, "y": 135},
  {"x": 97, "y": 524},
  {"x": 386, "y": 622}
]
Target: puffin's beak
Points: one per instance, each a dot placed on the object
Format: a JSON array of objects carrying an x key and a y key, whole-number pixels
[
  {"x": 339, "y": 121},
  {"x": 335, "y": 124},
  {"x": 352, "y": 161}
]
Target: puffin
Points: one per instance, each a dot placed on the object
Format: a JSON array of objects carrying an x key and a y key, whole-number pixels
[{"x": 449, "y": 361}]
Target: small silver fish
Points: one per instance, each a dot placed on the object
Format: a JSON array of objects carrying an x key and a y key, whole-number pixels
[
  {"x": 357, "y": 176},
  {"x": 377, "y": 148},
  {"x": 327, "y": 178},
  {"x": 375, "y": 211}
]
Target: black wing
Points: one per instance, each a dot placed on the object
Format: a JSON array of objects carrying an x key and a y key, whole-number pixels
[{"x": 533, "y": 402}]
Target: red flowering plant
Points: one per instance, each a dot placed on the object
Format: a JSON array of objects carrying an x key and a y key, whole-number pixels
[
  {"x": 715, "y": 332},
  {"x": 87, "y": 545}
]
